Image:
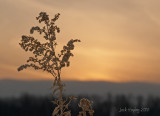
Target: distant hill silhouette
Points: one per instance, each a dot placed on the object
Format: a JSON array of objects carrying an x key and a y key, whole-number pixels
[{"x": 14, "y": 88}]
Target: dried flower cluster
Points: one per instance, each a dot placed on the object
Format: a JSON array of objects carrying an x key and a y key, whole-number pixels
[
  {"x": 45, "y": 58},
  {"x": 85, "y": 104}
]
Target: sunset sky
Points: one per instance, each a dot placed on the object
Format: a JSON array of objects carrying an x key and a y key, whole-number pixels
[{"x": 120, "y": 38}]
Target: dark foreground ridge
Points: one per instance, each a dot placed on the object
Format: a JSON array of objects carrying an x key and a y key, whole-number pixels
[{"x": 119, "y": 105}]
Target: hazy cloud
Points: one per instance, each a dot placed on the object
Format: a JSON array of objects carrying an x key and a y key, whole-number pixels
[{"x": 120, "y": 38}]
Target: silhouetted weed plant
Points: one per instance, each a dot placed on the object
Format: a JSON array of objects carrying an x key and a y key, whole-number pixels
[{"x": 45, "y": 58}]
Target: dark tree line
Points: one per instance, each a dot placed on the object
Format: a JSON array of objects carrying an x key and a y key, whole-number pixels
[{"x": 28, "y": 105}]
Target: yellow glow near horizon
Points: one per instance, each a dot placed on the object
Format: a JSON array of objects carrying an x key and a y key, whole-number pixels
[{"x": 120, "y": 39}]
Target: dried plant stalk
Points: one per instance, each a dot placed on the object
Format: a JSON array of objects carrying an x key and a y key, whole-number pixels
[{"x": 45, "y": 58}]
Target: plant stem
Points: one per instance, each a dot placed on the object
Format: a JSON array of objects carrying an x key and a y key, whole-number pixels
[
  {"x": 84, "y": 113},
  {"x": 61, "y": 99}
]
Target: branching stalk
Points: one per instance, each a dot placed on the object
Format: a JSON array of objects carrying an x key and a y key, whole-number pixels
[{"x": 44, "y": 58}]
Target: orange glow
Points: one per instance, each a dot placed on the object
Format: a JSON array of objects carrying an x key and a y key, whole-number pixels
[{"x": 120, "y": 41}]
